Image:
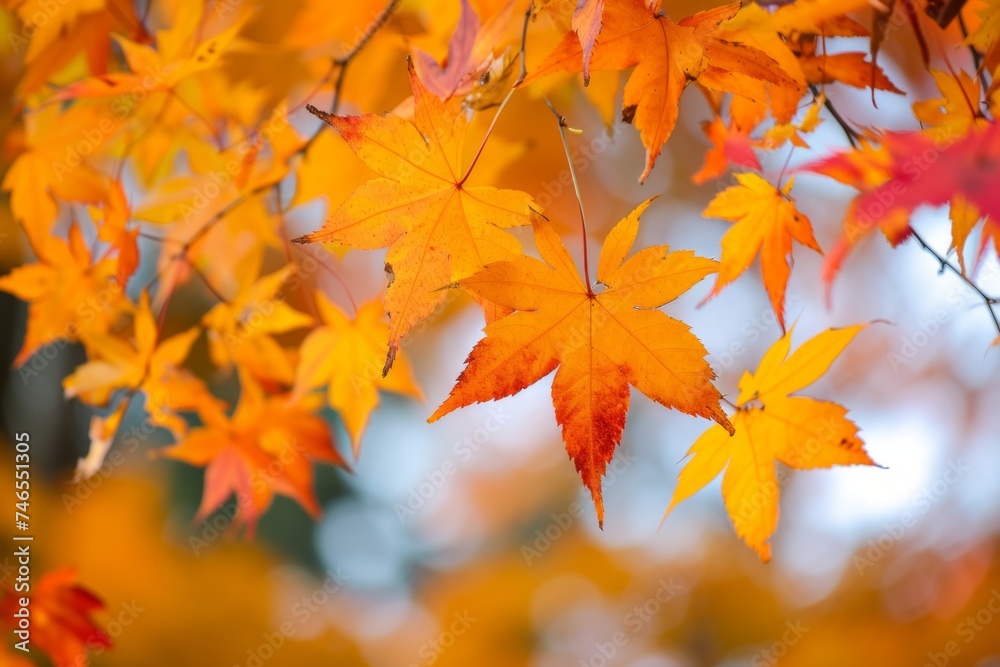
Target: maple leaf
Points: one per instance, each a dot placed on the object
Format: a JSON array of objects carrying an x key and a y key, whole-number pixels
[
  {"x": 964, "y": 218},
  {"x": 62, "y": 612},
  {"x": 438, "y": 228},
  {"x": 51, "y": 165},
  {"x": 848, "y": 68},
  {"x": 266, "y": 446},
  {"x": 61, "y": 35},
  {"x": 667, "y": 56},
  {"x": 732, "y": 142},
  {"x": 161, "y": 68},
  {"x": 910, "y": 169},
  {"x": 600, "y": 342},
  {"x": 956, "y": 111},
  {"x": 68, "y": 295},
  {"x": 802, "y": 433},
  {"x": 112, "y": 227},
  {"x": 346, "y": 354},
  {"x": 987, "y": 36},
  {"x": 143, "y": 364},
  {"x": 102, "y": 435},
  {"x": 766, "y": 222},
  {"x": 470, "y": 53},
  {"x": 777, "y": 135},
  {"x": 790, "y": 35},
  {"x": 241, "y": 330}
]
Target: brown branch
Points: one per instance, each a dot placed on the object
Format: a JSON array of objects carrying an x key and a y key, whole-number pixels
[
  {"x": 852, "y": 135},
  {"x": 989, "y": 301}
]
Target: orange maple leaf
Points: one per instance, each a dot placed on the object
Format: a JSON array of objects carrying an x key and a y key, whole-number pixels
[
  {"x": 600, "y": 342},
  {"x": 346, "y": 354},
  {"x": 667, "y": 56},
  {"x": 731, "y": 143},
  {"x": 68, "y": 294},
  {"x": 438, "y": 228},
  {"x": 588, "y": 19},
  {"x": 266, "y": 446},
  {"x": 766, "y": 222},
  {"x": 62, "y": 618},
  {"x": 173, "y": 59},
  {"x": 803, "y": 433},
  {"x": 112, "y": 227},
  {"x": 75, "y": 30}
]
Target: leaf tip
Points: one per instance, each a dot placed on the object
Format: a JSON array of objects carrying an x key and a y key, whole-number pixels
[
  {"x": 390, "y": 357},
  {"x": 322, "y": 115}
]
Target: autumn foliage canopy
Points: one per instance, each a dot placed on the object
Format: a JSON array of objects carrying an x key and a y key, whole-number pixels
[{"x": 157, "y": 155}]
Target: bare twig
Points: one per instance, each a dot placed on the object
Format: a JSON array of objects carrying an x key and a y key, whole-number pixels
[
  {"x": 977, "y": 59},
  {"x": 852, "y": 135},
  {"x": 989, "y": 301},
  {"x": 204, "y": 279}
]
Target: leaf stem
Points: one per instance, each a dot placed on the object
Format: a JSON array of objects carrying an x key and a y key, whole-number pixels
[
  {"x": 510, "y": 93},
  {"x": 576, "y": 188}
]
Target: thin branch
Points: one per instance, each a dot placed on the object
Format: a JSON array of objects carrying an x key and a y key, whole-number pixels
[
  {"x": 222, "y": 213},
  {"x": 342, "y": 63},
  {"x": 990, "y": 301},
  {"x": 204, "y": 279},
  {"x": 334, "y": 104},
  {"x": 852, "y": 134},
  {"x": 576, "y": 188},
  {"x": 373, "y": 28},
  {"x": 977, "y": 59}
]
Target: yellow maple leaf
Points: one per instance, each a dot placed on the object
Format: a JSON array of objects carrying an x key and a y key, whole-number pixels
[
  {"x": 957, "y": 110},
  {"x": 69, "y": 295},
  {"x": 52, "y": 165},
  {"x": 142, "y": 364},
  {"x": 766, "y": 222},
  {"x": 802, "y": 433},
  {"x": 346, "y": 355},
  {"x": 241, "y": 330}
]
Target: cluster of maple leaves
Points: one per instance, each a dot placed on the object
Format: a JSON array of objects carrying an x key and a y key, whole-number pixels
[{"x": 93, "y": 118}]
